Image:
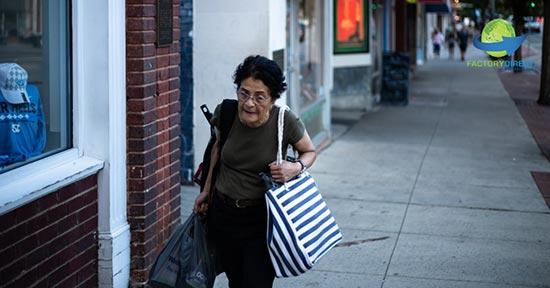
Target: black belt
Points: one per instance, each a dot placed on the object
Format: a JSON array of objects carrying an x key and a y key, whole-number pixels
[{"x": 239, "y": 203}]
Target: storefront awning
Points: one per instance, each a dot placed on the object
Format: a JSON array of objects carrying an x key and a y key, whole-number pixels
[{"x": 437, "y": 8}]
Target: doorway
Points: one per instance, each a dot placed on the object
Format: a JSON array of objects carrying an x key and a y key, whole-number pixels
[{"x": 305, "y": 46}]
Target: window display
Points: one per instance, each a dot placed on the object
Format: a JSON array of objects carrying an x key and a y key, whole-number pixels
[
  {"x": 35, "y": 79},
  {"x": 350, "y": 27},
  {"x": 22, "y": 127}
]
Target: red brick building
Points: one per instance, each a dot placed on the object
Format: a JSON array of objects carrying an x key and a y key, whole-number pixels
[{"x": 99, "y": 201}]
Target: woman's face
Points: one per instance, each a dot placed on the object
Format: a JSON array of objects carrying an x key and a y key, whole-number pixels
[{"x": 255, "y": 102}]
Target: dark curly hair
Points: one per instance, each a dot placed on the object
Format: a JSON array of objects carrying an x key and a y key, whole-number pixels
[{"x": 264, "y": 69}]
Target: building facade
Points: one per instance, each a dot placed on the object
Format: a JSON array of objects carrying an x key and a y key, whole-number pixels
[
  {"x": 295, "y": 33},
  {"x": 96, "y": 202},
  {"x": 114, "y": 90}
]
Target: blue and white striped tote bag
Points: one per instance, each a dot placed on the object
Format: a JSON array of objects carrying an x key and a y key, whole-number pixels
[{"x": 300, "y": 227}]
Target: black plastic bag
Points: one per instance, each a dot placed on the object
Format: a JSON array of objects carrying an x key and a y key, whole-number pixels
[{"x": 185, "y": 261}]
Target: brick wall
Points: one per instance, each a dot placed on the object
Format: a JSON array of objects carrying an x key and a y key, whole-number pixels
[
  {"x": 186, "y": 95},
  {"x": 52, "y": 241},
  {"x": 153, "y": 117}
]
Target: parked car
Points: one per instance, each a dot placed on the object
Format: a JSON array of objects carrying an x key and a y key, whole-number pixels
[{"x": 531, "y": 24}]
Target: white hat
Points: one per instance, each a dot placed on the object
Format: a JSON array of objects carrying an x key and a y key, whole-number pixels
[{"x": 13, "y": 83}]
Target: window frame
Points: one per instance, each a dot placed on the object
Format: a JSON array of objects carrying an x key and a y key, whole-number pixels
[
  {"x": 40, "y": 177},
  {"x": 32, "y": 181},
  {"x": 58, "y": 50}
]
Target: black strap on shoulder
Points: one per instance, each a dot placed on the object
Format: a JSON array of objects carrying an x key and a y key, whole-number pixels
[{"x": 227, "y": 117}]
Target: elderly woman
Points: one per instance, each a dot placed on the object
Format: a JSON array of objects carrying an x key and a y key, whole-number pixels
[{"x": 237, "y": 213}]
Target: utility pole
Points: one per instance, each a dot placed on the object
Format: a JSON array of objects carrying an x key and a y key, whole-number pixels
[{"x": 544, "y": 96}]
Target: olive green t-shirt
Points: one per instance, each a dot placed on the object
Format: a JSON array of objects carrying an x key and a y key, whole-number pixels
[{"x": 248, "y": 151}]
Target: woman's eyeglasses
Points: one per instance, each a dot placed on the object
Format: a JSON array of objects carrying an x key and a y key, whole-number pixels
[{"x": 258, "y": 99}]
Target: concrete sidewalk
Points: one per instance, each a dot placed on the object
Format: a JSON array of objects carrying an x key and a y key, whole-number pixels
[{"x": 434, "y": 194}]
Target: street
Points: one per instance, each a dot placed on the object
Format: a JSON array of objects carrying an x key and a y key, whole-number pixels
[{"x": 533, "y": 49}]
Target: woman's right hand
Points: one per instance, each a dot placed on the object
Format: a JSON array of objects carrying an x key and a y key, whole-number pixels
[{"x": 201, "y": 203}]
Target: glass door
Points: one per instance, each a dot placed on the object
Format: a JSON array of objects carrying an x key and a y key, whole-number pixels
[{"x": 305, "y": 62}]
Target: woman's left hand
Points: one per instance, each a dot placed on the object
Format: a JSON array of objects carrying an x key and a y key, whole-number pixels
[{"x": 285, "y": 171}]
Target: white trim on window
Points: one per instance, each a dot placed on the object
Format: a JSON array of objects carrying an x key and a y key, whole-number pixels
[
  {"x": 32, "y": 181},
  {"x": 99, "y": 62},
  {"x": 352, "y": 60}
]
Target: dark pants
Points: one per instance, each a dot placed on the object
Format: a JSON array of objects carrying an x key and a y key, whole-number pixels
[
  {"x": 437, "y": 48},
  {"x": 240, "y": 238}
]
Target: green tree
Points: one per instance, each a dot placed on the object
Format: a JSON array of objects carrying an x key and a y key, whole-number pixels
[{"x": 529, "y": 7}]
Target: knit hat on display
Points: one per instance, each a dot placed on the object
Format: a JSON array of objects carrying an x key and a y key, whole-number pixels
[{"x": 13, "y": 83}]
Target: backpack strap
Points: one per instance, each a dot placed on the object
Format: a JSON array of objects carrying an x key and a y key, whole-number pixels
[{"x": 227, "y": 117}]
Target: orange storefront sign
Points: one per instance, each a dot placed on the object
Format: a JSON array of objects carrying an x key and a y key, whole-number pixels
[{"x": 350, "y": 26}]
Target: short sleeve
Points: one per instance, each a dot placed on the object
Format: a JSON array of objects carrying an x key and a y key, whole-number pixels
[{"x": 294, "y": 128}]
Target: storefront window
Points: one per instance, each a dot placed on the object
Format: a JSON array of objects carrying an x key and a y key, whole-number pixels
[
  {"x": 35, "y": 119},
  {"x": 305, "y": 60},
  {"x": 350, "y": 27},
  {"x": 310, "y": 53}
]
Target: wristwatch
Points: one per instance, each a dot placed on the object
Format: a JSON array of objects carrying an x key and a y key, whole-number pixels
[{"x": 304, "y": 167}]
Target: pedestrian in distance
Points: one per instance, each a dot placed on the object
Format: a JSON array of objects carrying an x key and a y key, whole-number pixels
[
  {"x": 437, "y": 41},
  {"x": 463, "y": 36},
  {"x": 235, "y": 203},
  {"x": 450, "y": 39}
]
